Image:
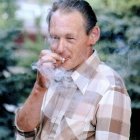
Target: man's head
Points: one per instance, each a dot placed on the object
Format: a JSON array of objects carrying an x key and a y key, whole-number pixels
[
  {"x": 72, "y": 30},
  {"x": 76, "y": 5}
]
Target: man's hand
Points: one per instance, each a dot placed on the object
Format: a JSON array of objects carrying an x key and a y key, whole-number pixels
[{"x": 47, "y": 63}]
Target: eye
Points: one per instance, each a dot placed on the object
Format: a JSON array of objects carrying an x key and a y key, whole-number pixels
[
  {"x": 70, "y": 39},
  {"x": 53, "y": 38}
]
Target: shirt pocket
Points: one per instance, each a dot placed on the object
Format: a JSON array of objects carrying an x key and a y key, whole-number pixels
[
  {"x": 83, "y": 111},
  {"x": 78, "y": 128}
]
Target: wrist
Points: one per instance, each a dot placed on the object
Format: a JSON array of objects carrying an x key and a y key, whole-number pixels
[{"x": 38, "y": 87}]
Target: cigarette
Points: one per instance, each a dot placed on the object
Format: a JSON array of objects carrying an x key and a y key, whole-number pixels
[{"x": 63, "y": 60}]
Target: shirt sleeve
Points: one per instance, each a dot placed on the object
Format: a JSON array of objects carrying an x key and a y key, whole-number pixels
[
  {"x": 113, "y": 116},
  {"x": 20, "y": 134}
]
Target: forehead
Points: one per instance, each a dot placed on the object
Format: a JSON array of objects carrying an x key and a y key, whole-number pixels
[{"x": 63, "y": 20}]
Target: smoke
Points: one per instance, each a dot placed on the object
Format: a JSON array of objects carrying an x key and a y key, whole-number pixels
[{"x": 54, "y": 75}]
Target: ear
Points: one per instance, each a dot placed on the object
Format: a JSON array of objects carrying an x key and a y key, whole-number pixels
[{"x": 94, "y": 35}]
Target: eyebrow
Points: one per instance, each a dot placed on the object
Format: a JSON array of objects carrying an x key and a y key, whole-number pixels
[
  {"x": 69, "y": 34},
  {"x": 65, "y": 35}
]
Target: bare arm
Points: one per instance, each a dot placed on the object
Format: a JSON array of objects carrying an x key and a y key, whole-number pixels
[{"x": 29, "y": 116}]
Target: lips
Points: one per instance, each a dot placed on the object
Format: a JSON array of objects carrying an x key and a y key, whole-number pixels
[
  {"x": 65, "y": 59},
  {"x": 61, "y": 62}
]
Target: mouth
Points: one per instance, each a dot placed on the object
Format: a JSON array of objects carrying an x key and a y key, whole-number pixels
[
  {"x": 64, "y": 60},
  {"x": 61, "y": 62}
]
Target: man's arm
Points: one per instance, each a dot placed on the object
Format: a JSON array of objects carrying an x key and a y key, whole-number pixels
[
  {"x": 113, "y": 116},
  {"x": 28, "y": 116}
]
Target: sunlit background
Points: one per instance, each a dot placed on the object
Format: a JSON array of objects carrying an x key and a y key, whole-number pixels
[{"x": 22, "y": 31}]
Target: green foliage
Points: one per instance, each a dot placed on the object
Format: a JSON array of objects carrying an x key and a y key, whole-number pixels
[
  {"x": 13, "y": 88},
  {"x": 6, "y": 47},
  {"x": 32, "y": 50},
  {"x": 124, "y": 7},
  {"x": 7, "y": 12}
]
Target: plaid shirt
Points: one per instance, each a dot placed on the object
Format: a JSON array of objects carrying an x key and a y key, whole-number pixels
[{"x": 94, "y": 105}]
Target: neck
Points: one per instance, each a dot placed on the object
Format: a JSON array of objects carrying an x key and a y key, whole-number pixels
[{"x": 90, "y": 51}]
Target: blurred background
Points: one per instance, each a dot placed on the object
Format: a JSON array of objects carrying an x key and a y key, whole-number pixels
[{"x": 22, "y": 31}]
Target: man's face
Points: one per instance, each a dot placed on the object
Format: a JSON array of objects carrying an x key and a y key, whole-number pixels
[{"x": 68, "y": 38}]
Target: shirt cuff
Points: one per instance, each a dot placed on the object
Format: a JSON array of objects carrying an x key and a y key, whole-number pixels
[{"x": 22, "y": 132}]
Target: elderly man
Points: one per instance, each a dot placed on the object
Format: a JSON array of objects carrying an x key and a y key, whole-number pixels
[{"x": 75, "y": 96}]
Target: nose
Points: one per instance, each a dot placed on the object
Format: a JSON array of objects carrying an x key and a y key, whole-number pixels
[{"x": 60, "y": 46}]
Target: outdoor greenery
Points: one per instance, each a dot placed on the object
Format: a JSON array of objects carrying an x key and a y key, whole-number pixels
[
  {"x": 13, "y": 86},
  {"x": 119, "y": 47}
]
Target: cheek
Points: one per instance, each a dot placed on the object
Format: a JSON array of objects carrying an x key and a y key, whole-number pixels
[
  {"x": 76, "y": 54},
  {"x": 77, "y": 57},
  {"x": 80, "y": 54}
]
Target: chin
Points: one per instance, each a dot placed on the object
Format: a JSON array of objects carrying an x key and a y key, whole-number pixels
[{"x": 67, "y": 67}]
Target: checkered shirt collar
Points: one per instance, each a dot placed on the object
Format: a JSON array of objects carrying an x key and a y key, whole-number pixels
[{"x": 83, "y": 74}]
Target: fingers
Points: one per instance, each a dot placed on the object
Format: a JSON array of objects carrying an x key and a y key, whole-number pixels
[
  {"x": 46, "y": 64},
  {"x": 47, "y": 56}
]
